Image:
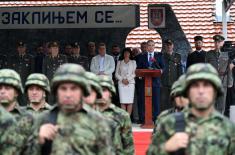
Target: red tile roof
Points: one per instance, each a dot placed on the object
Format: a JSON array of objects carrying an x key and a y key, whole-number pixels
[{"x": 196, "y": 17}]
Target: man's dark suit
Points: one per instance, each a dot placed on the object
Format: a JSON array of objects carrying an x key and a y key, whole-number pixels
[
  {"x": 144, "y": 64},
  {"x": 196, "y": 57}
]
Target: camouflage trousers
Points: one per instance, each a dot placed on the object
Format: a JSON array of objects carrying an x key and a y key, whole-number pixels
[{"x": 220, "y": 103}]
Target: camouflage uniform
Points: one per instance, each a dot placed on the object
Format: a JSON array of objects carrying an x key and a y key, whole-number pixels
[
  {"x": 90, "y": 134},
  {"x": 24, "y": 119},
  {"x": 94, "y": 81},
  {"x": 41, "y": 81},
  {"x": 220, "y": 60},
  {"x": 10, "y": 77},
  {"x": 123, "y": 138},
  {"x": 176, "y": 90},
  {"x": 207, "y": 135},
  {"x": 7, "y": 138}
]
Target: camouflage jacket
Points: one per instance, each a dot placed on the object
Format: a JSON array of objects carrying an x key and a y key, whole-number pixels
[
  {"x": 164, "y": 114},
  {"x": 212, "y": 135},
  {"x": 123, "y": 128},
  {"x": 161, "y": 116},
  {"x": 25, "y": 122},
  {"x": 12, "y": 139},
  {"x": 6, "y": 122},
  {"x": 82, "y": 132},
  {"x": 18, "y": 111},
  {"x": 45, "y": 107}
]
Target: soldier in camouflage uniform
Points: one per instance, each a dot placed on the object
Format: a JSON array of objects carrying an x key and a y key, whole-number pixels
[
  {"x": 96, "y": 93},
  {"x": 21, "y": 62},
  {"x": 96, "y": 90},
  {"x": 123, "y": 129},
  {"x": 76, "y": 58},
  {"x": 73, "y": 128},
  {"x": 179, "y": 102},
  {"x": 37, "y": 88},
  {"x": 7, "y": 121},
  {"x": 206, "y": 131},
  {"x": 172, "y": 71},
  {"x": 10, "y": 88},
  {"x": 220, "y": 60},
  {"x": 53, "y": 61},
  {"x": 11, "y": 141}
]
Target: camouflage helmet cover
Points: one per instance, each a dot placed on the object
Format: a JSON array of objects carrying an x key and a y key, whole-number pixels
[
  {"x": 203, "y": 71},
  {"x": 94, "y": 81},
  {"x": 38, "y": 79},
  {"x": 70, "y": 73},
  {"x": 177, "y": 87},
  {"x": 12, "y": 78},
  {"x": 106, "y": 81}
]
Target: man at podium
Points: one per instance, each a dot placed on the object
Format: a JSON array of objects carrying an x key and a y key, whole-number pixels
[{"x": 152, "y": 60}]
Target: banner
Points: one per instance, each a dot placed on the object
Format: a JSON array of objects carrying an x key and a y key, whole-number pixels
[{"x": 69, "y": 17}]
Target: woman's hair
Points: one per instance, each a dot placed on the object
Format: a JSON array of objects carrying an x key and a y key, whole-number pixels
[{"x": 125, "y": 50}]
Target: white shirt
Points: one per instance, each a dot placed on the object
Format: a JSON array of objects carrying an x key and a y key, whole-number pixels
[
  {"x": 101, "y": 64},
  {"x": 150, "y": 53}
]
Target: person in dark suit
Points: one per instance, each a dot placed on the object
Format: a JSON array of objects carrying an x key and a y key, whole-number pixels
[
  {"x": 139, "y": 83},
  {"x": 40, "y": 55},
  {"x": 152, "y": 60},
  {"x": 199, "y": 55},
  {"x": 115, "y": 53}
]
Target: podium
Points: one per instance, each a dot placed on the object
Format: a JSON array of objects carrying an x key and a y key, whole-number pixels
[{"x": 148, "y": 74}]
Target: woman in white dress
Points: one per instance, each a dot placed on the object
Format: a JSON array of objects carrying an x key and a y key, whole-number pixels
[{"x": 125, "y": 74}]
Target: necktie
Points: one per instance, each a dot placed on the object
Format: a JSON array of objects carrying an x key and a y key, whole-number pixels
[
  {"x": 150, "y": 59},
  {"x": 218, "y": 54}
]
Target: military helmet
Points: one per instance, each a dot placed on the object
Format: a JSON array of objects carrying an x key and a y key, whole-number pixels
[
  {"x": 38, "y": 79},
  {"x": 177, "y": 87},
  {"x": 203, "y": 71},
  {"x": 70, "y": 73},
  {"x": 106, "y": 81},
  {"x": 94, "y": 81},
  {"x": 12, "y": 78}
]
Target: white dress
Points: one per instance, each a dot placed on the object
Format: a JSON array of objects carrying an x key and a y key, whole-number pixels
[{"x": 126, "y": 71}]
